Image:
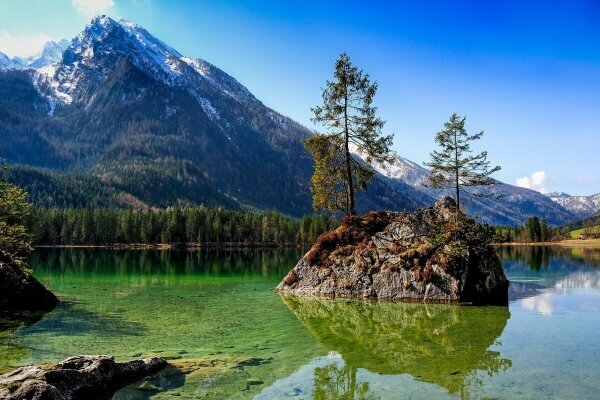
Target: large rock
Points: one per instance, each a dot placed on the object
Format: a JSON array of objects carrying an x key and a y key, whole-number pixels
[
  {"x": 21, "y": 291},
  {"x": 398, "y": 256},
  {"x": 76, "y": 378}
]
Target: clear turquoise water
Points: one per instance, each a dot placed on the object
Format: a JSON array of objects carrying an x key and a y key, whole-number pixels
[{"x": 220, "y": 309}]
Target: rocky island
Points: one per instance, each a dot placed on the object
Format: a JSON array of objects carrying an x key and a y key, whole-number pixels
[{"x": 433, "y": 254}]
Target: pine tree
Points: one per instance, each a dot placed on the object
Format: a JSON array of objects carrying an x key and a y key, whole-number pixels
[
  {"x": 534, "y": 229},
  {"x": 454, "y": 166},
  {"x": 545, "y": 230},
  {"x": 15, "y": 239},
  {"x": 351, "y": 122}
]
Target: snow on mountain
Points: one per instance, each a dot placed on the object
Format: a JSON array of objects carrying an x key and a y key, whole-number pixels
[
  {"x": 5, "y": 62},
  {"x": 220, "y": 80},
  {"x": 51, "y": 53},
  {"x": 404, "y": 170},
  {"x": 104, "y": 41},
  {"x": 512, "y": 205},
  {"x": 582, "y": 206}
]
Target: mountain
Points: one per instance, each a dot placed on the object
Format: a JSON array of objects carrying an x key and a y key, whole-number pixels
[
  {"x": 581, "y": 206},
  {"x": 155, "y": 127},
  {"x": 5, "y": 61},
  {"x": 51, "y": 53},
  {"x": 123, "y": 119},
  {"x": 506, "y": 204}
]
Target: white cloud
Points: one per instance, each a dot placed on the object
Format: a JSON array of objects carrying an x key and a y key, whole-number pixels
[
  {"x": 22, "y": 46},
  {"x": 90, "y": 8},
  {"x": 537, "y": 181},
  {"x": 543, "y": 304}
]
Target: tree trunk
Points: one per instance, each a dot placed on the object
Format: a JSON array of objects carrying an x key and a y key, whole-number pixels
[
  {"x": 457, "y": 194},
  {"x": 456, "y": 173},
  {"x": 351, "y": 205}
]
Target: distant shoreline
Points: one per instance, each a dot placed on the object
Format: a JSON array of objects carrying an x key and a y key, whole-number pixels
[
  {"x": 255, "y": 246},
  {"x": 186, "y": 246},
  {"x": 562, "y": 243}
]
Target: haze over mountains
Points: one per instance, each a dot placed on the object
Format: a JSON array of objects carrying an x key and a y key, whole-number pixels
[
  {"x": 119, "y": 118},
  {"x": 51, "y": 53}
]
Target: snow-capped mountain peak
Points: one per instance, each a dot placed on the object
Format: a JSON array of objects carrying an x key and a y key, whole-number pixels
[
  {"x": 51, "y": 53},
  {"x": 582, "y": 206},
  {"x": 105, "y": 36},
  {"x": 104, "y": 43},
  {"x": 404, "y": 170}
]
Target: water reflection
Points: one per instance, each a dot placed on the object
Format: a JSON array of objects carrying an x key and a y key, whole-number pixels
[
  {"x": 338, "y": 381},
  {"x": 209, "y": 262},
  {"x": 445, "y": 345},
  {"x": 547, "y": 280},
  {"x": 221, "y": 304},
  {"x": 540, "y": 258}
]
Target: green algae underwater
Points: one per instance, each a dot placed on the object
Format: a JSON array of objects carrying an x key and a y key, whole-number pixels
[{"x": 216, "y": 316}]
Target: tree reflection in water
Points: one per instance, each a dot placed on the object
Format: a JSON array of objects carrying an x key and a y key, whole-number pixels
[
  {"x": 446, "y": 345},
  {"x": 539, "y": 258},
  {"x": 335, "y": 382}
]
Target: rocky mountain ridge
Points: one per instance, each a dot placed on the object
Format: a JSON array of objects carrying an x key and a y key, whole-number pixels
[{"x": 128, "y": 120}]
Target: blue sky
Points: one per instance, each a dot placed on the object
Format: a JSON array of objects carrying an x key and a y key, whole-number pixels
[{"x": 528, "y": 73}]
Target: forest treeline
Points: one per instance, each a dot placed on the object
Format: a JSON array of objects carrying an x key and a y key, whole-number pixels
[
  {"x": 199, "y": 225},
  {"x": 533, "y": 231}
]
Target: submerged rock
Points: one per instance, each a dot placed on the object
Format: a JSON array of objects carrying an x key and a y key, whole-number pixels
[
  {"x": 21, "y": 291},
  {"x": 399, "y": 256},
  {"x": 80, "y": 377}
]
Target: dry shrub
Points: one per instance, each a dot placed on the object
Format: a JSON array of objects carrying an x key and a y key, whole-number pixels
[
  {"x": 290, "y": 278},
  {"x": 325, "y": 244},
  {"x": 353, "y": 231},
  {"x": 427, "y": 271}
]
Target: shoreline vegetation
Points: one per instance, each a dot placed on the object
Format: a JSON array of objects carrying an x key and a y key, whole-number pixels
[
  {"x": 175, "y": 227},
  {"x": 559, "y": 243},
  {"x": 218, "y": 228}
]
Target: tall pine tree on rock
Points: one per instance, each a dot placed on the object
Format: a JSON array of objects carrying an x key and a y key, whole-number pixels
[
  {"x": 454, "y": 166},
  {"x": 351, "y": 125}
]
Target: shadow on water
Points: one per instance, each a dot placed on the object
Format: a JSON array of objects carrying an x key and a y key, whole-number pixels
[
  {"x": 70, "y": 318},
  {"x": 167, "y": 379},
  {"x": 10, "y": 349},
  {"x": 445, "y": 345}
]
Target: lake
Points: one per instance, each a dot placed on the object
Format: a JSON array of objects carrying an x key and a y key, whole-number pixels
[{"x": 215, "y": 313}]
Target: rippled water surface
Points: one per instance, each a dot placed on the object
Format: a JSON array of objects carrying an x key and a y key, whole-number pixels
[{"x": 215, "y": 314}]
